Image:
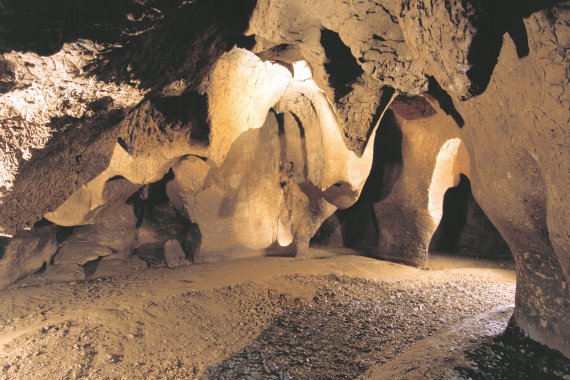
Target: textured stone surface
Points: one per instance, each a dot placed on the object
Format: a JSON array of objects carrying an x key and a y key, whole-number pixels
[
  {"x": 355, "y": 50},
  {"x": 521, "y": 163},
  {"x": 418, "y": 156},
  {"x": 303, "y": 171},
  {"x": 261, "y": 156},
  {"x": 27, "y": 253},
  {"x": 113, "y": 233}
]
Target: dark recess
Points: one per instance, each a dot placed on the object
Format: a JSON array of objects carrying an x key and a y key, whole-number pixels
[
  {"x": 465, "y": 229},
  {"x": 150, "y": 196},
  {"x": 445, "y": 101},
  {"x": 494, "y": 20},
  {"x": 323, "y": 237},
  {"x": 190, "y": 108},
  {"x": 152, "y": 206},
  {"x": 359, "y": 223},
  {"x": 184, "y": 44},
  {"x": 342, "y": 67},
  {"x": 90, "y": 268},
  {"x": 4, "y": 241},
  {"x": 43, "y": 26}
]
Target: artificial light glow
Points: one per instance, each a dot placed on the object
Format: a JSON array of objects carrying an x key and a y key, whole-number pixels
[
  {"x": 284, "y": 235},
  {"x": 302, "y": 71},
  {"x": 444, "y": 177}
]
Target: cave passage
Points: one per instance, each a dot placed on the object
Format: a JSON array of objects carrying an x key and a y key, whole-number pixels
[
  {"x": 464, "y": 228},
  {"x": 284, "y": 189}
]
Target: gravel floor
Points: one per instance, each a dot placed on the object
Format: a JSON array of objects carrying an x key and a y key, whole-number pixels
[
  {"x": 182, "y": 324},
  {"x": 512, "y": 355},
  {"x": 352, "y": 324}
]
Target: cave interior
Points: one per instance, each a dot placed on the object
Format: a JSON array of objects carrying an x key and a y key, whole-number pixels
[{"x": 284, "y": 189}]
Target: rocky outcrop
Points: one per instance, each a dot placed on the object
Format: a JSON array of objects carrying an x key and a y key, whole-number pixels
[
  {"x": 354, "y": 50},
  {"x": 27, "y": 253},
  {"x": 418, "y": 156},
  {"x": 280, "y": 179},
  {"x": 465, "y": 229}
]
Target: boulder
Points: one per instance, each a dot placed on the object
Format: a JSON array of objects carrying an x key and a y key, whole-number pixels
[{"x": 26, "y": 253}]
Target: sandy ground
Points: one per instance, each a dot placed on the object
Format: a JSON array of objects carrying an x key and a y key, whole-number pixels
[{"x": 330, "y": 315}]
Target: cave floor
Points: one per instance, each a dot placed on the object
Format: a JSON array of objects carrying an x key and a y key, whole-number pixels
[{"x": 329, "y": 315}]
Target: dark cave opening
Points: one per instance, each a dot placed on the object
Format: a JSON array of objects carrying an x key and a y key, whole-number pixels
[
  {"x": 156, "y": 216},
  {"x": 357, "y": 226},
  {"x": 359, "y": 223},
  {"x": 190, "y": 108},
  {"x": 465, "y": 229},
  {"x": 454, "y": 219},
  {"x": 342, "y": 67}
]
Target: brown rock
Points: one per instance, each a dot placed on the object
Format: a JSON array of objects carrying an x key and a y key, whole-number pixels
[{"x": 26, "y": 253}]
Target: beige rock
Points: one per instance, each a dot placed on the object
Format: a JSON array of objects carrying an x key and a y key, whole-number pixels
[
  {"x": 433, "y": 157},
  {"x": 241, "y": 91},
  {"x": 301, "y": 163},
  {"x": 113, "y": 232}
]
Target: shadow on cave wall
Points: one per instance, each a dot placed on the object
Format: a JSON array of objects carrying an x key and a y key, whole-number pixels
[
  {"x": 342, "y": 67},
  {"x": 498, "y": 19},
  {"x": 445, "y": 101},
  {"x": 184, "y": 44},
  {"x": 359, "y": 223},
  {"x": 465, "y": 229},
  {"x": 189, "y": 109},
  {"x": 43, "y": 26}
]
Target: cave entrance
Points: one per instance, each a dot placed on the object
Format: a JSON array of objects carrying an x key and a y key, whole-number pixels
[{"x": 464, "y": 229}]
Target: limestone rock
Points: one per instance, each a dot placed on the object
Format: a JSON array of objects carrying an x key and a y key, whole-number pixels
[
  {"x": 27, "y": 253},
  {"x": 241, "y": 91},
  {"x": 419, "y": 155},
  {"x": 112, "y": 234},
  {"x": 301, "y": 163},
  {"x": 266, "y": 144},
  {"x": 354, "y": 50}
]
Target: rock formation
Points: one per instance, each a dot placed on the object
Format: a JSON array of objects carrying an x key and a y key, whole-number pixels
[{"x": 203, "y": 130}]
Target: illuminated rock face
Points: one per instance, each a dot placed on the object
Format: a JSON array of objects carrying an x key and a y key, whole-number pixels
[
  {"x": 275, "y": 169},
  {"x": 281, "y": 178},
  {"x": 408, "y": 201},
  {"x": 253, "y": 153}
]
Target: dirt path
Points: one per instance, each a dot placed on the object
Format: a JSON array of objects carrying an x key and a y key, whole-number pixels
[{"x": 320, "y": 317}]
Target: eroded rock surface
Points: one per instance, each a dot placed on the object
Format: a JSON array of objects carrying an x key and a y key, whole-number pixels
[{"x": 268, "y": 115}]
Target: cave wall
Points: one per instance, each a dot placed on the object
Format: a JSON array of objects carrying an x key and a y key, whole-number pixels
[
  {"x": 418, "y": 157},
  {"x": 464, "y": 228},
  {"x": 520, "y": 164},
  {"x": 280, "y": 179},
  {"x": 261, "y": 154}
]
